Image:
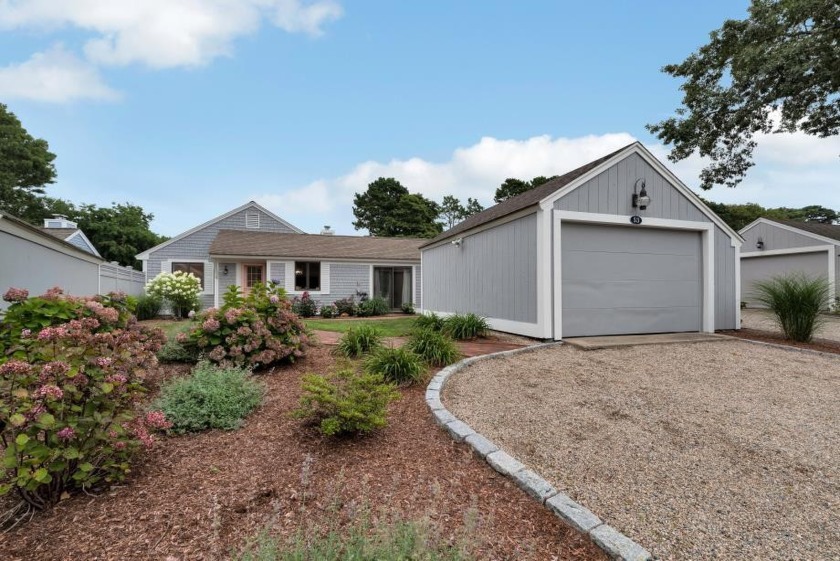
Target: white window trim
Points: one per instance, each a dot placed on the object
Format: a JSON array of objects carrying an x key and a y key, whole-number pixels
[
  {"x": 705, "y": 228},
  {"x": 832, "y": 262},
  {"x": 209, "y": 279},
  {"x": 290, "y": 278}
]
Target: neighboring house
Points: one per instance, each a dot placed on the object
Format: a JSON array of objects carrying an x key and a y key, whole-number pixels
[
  {"x": 250, "y": 244},
  {"x": 62, "y": 228},
  {"x": 774, "y": 247},
  {"x": 573, "y": 257}
]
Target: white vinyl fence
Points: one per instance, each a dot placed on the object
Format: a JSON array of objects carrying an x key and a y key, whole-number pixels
[{"x": 116, "y": 278}]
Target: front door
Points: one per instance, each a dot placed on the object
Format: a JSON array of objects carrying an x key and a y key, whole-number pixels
[
  {"x": 393, "y": 284},
  {"x": 252, "y": 273}
]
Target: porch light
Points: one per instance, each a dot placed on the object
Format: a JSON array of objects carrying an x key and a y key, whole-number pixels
[
  {"x": 759, "y": 244},
  {"x": 640, "y": 200},
  {"x": 226, "y": 270}
]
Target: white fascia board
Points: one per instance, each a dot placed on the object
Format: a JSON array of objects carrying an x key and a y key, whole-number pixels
[
  {"x": 644, "y": 153},
  {"x": 80, "y": 234},
  {"x": 250, "y": 204},
  {"x": 788, "y": 251}
]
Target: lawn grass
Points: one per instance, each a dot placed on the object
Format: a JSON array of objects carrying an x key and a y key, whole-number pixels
[
  {"x": 388, "y": 327},
  {"x": 169, "y": 326}
]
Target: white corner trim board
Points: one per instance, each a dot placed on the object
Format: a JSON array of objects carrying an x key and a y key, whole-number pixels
[{"x": 706, "y": 229}]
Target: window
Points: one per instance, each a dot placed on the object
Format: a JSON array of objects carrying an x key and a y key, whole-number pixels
[
  {"x": 253, "y": 274},
  {"x": 307, "y": 275},
  {"x": 195, "y": 268},
  {"x": 252, "y": 219}
]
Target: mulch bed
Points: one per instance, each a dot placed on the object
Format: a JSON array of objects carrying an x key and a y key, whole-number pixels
[
  {"x": 202, "y": 496},
  {"x": 822, "y": 345}
]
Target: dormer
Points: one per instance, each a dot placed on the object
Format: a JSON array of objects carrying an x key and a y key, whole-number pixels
[{"x": 59, "y": 221}]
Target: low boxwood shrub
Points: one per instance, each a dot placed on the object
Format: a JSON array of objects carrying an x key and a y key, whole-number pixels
[
  {"x": 68, "y": 394},
  {"x": 407, "y": 308},
  {"x": 466, "y": 326},
  {"x": 305, "y": 306},
  {"x": 212, "y": 397},
  {"x": 436, "y": 348},
  {"x": 396, "y": 364},
  {"x": 359, "y": 340},
  {"x": 148, "y": 307},
  {"x": 329, "y": 311},
  {"x": 262, "y": 331},
  {"x": 346, "y": 307},
  {"x": 373, "y": 307},
  {"x": 173, "y": 351},
  {"x": 796, "y": 301},
  {"x": 346, "y": 403},
  {"x": 429, "y": 321}
]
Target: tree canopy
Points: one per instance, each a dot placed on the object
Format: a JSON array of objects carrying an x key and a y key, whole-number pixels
[
  {"x": 511, "y": 187},
  {"x": 775, "y": 71},
  {"x": 26, "y": 165},
  {"x": 387, "y": 209},
  {"x": 739, "y": 215},
  {"x": 452, "y": 211}
]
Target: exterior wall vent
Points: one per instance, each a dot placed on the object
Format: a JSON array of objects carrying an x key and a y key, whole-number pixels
[{"x": 252, "y": 219}]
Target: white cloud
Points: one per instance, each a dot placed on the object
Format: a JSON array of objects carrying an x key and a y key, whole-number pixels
[
  {"x": 166, "y": 33},
  {"x": 790, "y": 171},
  {"x": 54, "y": 76}
]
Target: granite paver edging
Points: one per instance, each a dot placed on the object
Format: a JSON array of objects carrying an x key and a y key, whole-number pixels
[{"x": 614, "y": 543}]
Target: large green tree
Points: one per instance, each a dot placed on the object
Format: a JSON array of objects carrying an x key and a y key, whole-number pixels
[
  {"x": 512, "y": 187},
  {"x": 387, "y": 209},
  {"x": 453, "y": 211},
  {"x": 26, "y": 165},
  {"x": 778, "y": 70},
  {"x": 739, "y": 215}
]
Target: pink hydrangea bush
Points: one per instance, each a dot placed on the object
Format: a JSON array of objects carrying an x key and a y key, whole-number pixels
[
  {"x": 70, "y": 397},
  {"x": 254, "y": 331}
]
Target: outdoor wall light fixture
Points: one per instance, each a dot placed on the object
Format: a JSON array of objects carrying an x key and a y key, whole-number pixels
[
  {"x": 640, "y": 199},
  {"x": 457, "y": 242},
  {"x": 226, "y": 270},
  {"x": 759, "y": 244}
]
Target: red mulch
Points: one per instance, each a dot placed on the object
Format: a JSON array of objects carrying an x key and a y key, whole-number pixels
[
  {"x": 276, "y": 470},
  {"x": 822, "y": 345}
]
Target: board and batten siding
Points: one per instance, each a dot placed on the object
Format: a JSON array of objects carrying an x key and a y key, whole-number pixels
[
  {"x": 493, "y": 273},
  {"x": 610, "y": 192},
  {"x": 418, "y": 284},
  {"x": 775, "y": 238},
  {"x": 196, "y": 247}
]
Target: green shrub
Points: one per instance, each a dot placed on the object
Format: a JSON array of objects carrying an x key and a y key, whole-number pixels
[
  {"x": 173, "y": 351},
  {"x": 359, "y": 340},
  {"x": 407, "y": 308},
  {"x": 148, "y": 307},
  {"x": 346, "y": 306},
  {"x": 429, "y": 321},
  {"x": 396, "y": 364},
  {"x": 796, "y": 301},
  {"x": 346, "y": 403},
  {"x": 436, "y": 348},
  {"x": 304, "y": 306},
  {"x": 232, "y": 298},
  {"x": 329, "y": 311},
  {"x": 373, "y": 307},
  {"x": 210, "y": 398},
  {"x": 466, "y": 326}
]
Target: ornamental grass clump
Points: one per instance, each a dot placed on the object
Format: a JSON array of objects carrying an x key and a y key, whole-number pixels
[
  {"x": 466, "y": 326},
  {"x": 261, "y": 331},
  {"x": 797, "y": 302},
  {"x": 436, "y": 348},
  {"x": 346, "y": 403},
  {"x": 68, "y": 396},
  {"x": 429, "y": 321},
  {"x": 396, "y": 364},
  {"x": 179, "y": 289},
  {"x": 358, "y": 341},
  {"x": 211, "y": 397}
]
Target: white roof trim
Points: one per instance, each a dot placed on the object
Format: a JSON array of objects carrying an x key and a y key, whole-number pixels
[
  {"x": 793, "y": 229},
  {"x": 85, "y": 239},
  {"x": 250, "y": 204},
  {"x": 644, "y": 153}
]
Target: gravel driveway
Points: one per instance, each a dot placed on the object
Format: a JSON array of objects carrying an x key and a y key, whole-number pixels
[
  {"x": 762, "y": 319},
  {"x": 723, "y": 450}
]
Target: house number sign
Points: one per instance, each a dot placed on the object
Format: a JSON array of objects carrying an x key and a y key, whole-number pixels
[{"x": 635, "y": 220}]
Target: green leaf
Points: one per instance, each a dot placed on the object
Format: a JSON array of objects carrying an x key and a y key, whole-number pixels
[
  {"x": 22, "y": 439},
  {"x": 72, "y": 453},
  {"x": 46, "y": 421},
  {"x": 5, "y": 488},
  {"x": 107, "y": 387},
  {"x": 42, "y": 476},
  {"x": 86, "y": 467}
]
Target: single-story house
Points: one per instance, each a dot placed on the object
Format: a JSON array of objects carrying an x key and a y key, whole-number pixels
[
  {"x": 250, "y": 244},
  {"x": 774, "y": 247},
  {"x": 617, "y": 246},
  {"x": 67, "y": 230}
]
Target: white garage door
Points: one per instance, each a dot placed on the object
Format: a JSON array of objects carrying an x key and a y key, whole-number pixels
[
  {"x": 814, "y": 264},
  {"x": 620, "y": 280}
]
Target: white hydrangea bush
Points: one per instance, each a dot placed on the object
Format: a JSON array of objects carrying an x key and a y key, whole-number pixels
[{"x": 179, "y": 289}]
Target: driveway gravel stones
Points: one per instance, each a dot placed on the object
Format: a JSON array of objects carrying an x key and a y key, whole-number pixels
[{"x": 724, "y": 450}]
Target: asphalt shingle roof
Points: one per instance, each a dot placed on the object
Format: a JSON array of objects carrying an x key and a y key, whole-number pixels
[
  {"x": 60, "y": 233},
  {"x": 271, "y": 244},
  {"x": 825, "y": 230}
]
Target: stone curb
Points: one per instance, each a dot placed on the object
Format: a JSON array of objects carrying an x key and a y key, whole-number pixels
[{"x": 611, "y": 541}]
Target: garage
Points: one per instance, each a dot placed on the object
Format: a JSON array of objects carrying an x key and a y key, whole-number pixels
[
  {"x": 619, "y": 280},
  {"x": 763, "y": 267}
]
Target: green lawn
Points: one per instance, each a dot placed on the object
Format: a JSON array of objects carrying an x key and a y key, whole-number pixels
[
  {"x": 389, "y": 327},
  {"x": 170, "y": 327}
]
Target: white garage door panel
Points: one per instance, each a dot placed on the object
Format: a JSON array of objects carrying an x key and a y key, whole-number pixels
[{"x": 622, "y": 280}]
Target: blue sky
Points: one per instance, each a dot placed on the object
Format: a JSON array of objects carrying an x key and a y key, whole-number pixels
[{"x": 191, "y": 108}]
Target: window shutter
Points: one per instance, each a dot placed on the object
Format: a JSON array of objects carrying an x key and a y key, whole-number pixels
[
  {"x": 209, "y": 278},
  {"x": 290, "y": 276},
  {"x": 325, "y": 278}
]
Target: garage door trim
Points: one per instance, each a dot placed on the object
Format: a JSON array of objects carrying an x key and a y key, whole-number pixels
[
  {"x": 706, "y": 230},
  {"x": 832, "y": 260}
]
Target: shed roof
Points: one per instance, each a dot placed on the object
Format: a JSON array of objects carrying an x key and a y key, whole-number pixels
[
  {"x": 60, "y": 233},
  {"x": 275, "y": 244}
]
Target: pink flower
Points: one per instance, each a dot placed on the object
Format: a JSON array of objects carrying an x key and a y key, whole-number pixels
[
  {"x": 67, "y": 433},
  {"x": 49, "y": 391},
  {"x": 139, "y": 431},
  {"x": 217, "y": 354},
  {"x": 14, "y": 367},
  {"x": 119, "y": 445},
  {"x": 26, "y": 333},
  {"x": 90, "y": 323},
  {"x": 16, "y": 295},
  {"x": 79, "y": 380},
  {"x": 116, "y": 379},
  {"x": 211, "y": 324},
  {"x": 157, "y": 420},
  {"x": 36, "y": 411},
  {"x": 232, "y": 315},
  {"x": 191, "y": 314},
  {"x": 52, "y": 333},
  {"x": 274, "y": 299},
  {"x": 103, "y": 361},
  {"x": 108, "y": 315},
  {"x": 181, "y": 337}
]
